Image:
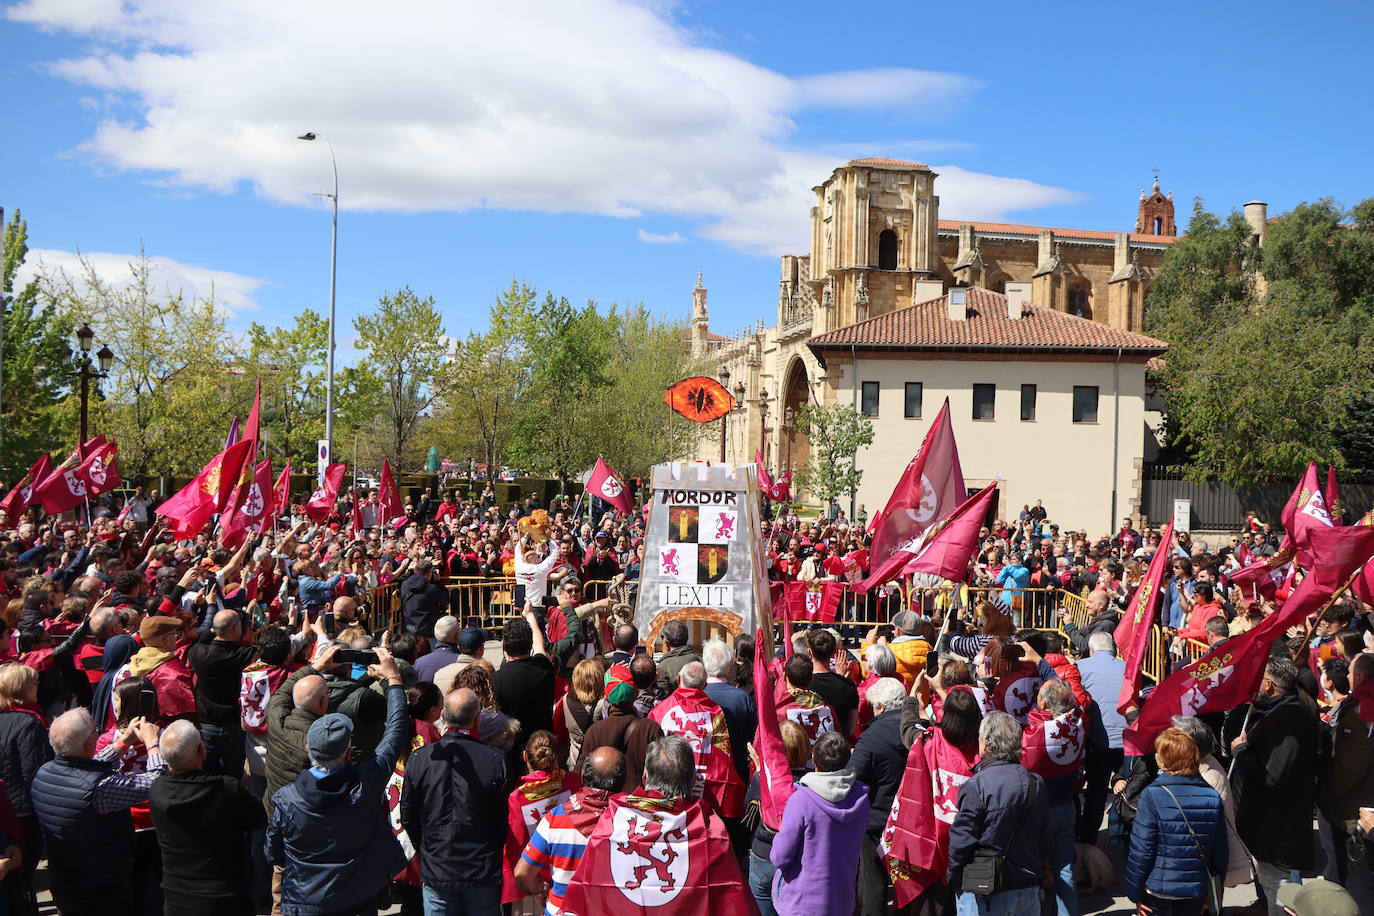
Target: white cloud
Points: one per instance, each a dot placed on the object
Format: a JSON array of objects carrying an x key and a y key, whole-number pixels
[
  {"x": 233, "y": 293},
  {"x": 600, "y": 106},
  {"x": 654, "y": 238}
]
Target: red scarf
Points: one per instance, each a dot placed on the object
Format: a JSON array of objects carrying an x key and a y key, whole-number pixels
[{"x": 689, "y": 712}]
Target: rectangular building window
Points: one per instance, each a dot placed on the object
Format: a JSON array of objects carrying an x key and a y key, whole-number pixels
[
  {"x": 868, "y": 399},
  {"x": 984, "y": 401},
  {"x": 912, "y": 410},
  {"x": 1027, "y": 403},
  {"x": 1085, "y": 403}
]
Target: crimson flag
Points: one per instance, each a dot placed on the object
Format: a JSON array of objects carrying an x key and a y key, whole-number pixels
[
  {"x": 191, "y": 507},
  {"x": 321, "y": 503},
  {"x": 1264, "y": 576},
  {"x": 99, "y": 471},
  {"x": 535, "y": 795},
  {"x": 84, "y": 449},
  {"x": 1132, "y": 634},
  {"x": 1333, "y": 496},
  {"x": 389, "y": 505},
  {"x": 1305, "y": 512},
  {"x": 1054, "y": 745},
  {"x": 281, "y": 493},
  {"x": 251, "y": 511},
  {"x": 775, "y": 776},
  {"x": 20, "y": 496},
  {"x": 765, "y": 478},
  {"x": 606, "y": 484},
  {"x": 915, "y": 840},
  {"x": 944, "y": 548},
  {"x": 816, "y": 601},
  {"x": 63, "y": 489},
  {"x": 1230, "y": 673},
  {"x": 931, "y": 487},
  {"x": 693, "y": 715},
  {"x": 659, "y": 856}
]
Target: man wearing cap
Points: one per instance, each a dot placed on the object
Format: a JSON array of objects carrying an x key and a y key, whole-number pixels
[
  {"x": 1319, "y": 897},
  {"x": 326, "y": 830},
  {"x": 907, "y": 645},
  {"x": 472, "y": 642},
  {"x": 171, "y": 678},
  {"x": 445, "y": 649}
]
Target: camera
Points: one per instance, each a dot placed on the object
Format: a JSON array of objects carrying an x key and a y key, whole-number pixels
[{"x": 356, "y": 656}]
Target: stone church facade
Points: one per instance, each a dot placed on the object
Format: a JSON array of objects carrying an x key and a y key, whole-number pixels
[{"x": 878, "y": 244}]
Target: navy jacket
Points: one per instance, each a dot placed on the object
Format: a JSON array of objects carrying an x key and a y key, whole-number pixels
[
  {"x": 878, "y": 762},
  {"x": 453, "y": 808},
  {"x": 1163, "y": 857},
  {"x": 332, "y": 835},
  {"x": 990, "y": 816}
]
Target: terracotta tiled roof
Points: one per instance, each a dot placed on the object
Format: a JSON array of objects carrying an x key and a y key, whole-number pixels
[
  {"x": 953, "y": 225},
  {"x": 927, "y": 326},
  {"x": 885, "y": 163}
]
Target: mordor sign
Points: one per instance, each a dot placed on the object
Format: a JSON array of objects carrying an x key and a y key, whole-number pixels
[{"x": 703, "y": 556}]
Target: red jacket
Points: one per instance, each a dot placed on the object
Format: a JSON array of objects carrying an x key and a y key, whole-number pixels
[{"x": 1068, "y": 672}]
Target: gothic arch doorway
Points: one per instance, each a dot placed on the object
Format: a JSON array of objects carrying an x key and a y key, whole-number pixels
[{"x": 795, "y": 447}]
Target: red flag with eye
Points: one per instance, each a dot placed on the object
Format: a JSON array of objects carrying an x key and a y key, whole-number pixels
[{"x": 700, "y": 399}]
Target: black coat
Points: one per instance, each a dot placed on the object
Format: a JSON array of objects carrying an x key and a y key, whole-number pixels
[
  {"x": 203, "y": 822},
  {"x": 423, "y": 601},
  {"x": 23, "y": 749},
  {"x": 878, "y": 762},
  {"x": 1275, "y": 781},
  {"x": 1103, "y": 623},
  {"x": 992, "y": 815}
]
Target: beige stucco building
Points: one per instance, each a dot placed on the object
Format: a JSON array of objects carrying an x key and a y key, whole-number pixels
[{"x": 869, "y": 305}]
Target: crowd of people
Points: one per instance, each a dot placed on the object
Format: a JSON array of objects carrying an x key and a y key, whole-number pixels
[{"x": 198, "y": 727}]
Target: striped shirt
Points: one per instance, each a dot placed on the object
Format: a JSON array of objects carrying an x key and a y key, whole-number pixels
[{"x": 559, "y": 841}]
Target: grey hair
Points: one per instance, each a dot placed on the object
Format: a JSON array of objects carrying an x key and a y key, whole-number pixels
[
  {"x": 886, "y": 694},
  {"x": 670, "y": 768},
  {"x": 444, "y": 627},
  {"x": 70, "y": 732},
  {"x": 1057, "y": 696},
  {"x": 881, "y": 660},
  {"x": 1001, "y": 735},
  {"x": 1196, "y": 729},
  {"x": 1102, "y": 641},
  {"x": 178, "y": 743},
  {"x": 1282, "y": 672},
  {"x": 692, "y": 675},
  {"x": 799, "y": 644},
  {"x": 717, "y": 657}
]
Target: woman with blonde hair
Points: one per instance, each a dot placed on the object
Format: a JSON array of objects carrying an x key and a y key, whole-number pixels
[
  {"x": 23, "y": 749},
  {"x": 572, "y": 714},
  {"x": 544, "y": 786}
]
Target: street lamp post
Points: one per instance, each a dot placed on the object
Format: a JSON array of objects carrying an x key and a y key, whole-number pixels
[
  {"x": 725, "y": 417},
  {"x": 788, "y": 422},
  {"x": 85, "y": 337},
  {"x": 333, "y": 273},
  {"x": 763, "y": 424}
]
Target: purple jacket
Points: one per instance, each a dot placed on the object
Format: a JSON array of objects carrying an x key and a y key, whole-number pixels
[{"x": 817, "y": 850}]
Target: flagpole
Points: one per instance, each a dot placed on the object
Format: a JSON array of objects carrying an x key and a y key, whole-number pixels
[{"x": 1244, "y": 727}]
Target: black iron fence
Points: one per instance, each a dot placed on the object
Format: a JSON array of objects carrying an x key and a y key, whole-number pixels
[{"x": 1222, "y": 506}]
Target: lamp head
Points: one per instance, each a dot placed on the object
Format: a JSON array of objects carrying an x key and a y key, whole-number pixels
[
  {"x": 85, "y": 337},
  {"x": 308, "y": 135},
  {"x": 106, "y": 357}
]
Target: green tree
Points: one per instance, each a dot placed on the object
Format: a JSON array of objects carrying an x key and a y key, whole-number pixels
[
  {"x": 404, "y": 343},
  {"x": 168, "y": 395},
  {"x": 1270, "y": 347},
  {"x": 485, "y": 379},
  {"x": 38, "y": 368},
  {"x": 559, "y": 417},
  {"x": 835, "y": 432}
]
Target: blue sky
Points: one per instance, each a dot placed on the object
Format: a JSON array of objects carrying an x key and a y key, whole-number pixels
[{"x": 552, "y": 141}]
